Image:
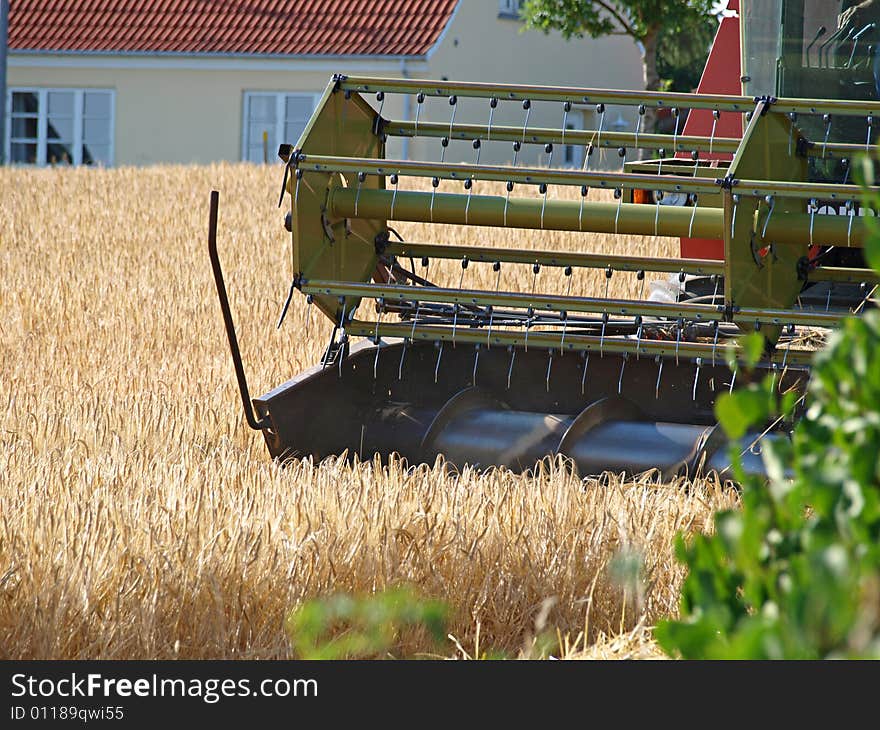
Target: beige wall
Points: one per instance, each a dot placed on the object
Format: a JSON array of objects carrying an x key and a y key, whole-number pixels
[{"x": 190, "y": 110}]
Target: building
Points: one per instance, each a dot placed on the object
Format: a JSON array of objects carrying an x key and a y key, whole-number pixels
[{"x": 135, "y": 82}]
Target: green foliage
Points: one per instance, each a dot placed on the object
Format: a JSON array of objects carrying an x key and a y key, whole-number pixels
[
  {"x": 352, "y": 627},
  {"x": 796, "y": 572},
  {"x": 596, "y": 18},
  {"x": 674, "y": 36},
  {"x": 681, "y": 56}
]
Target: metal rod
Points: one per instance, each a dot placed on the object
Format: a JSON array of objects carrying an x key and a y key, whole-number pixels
[
  {"x": 597, "y": 217},
  {"x": 579, "y": 95},
  {"x": 250, "y": 416},
  {"x": 573, "y": 343},
  {"x": 490, "y": 254},
  {"x": 558, "y": 303},
  {"x": 606, "y": 180},
  {"x": 526, "y": 175}
]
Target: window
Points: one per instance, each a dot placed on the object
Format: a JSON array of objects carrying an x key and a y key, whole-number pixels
[
  {"x": 60, "y": 126},
  {"x": 509, "y": 8},
  {"x": 279, "y": 116}
]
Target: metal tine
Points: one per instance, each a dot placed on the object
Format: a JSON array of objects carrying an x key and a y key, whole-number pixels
[
  {"x": 566, "y": 108},
  {"x": 420, "y": 99},
  {"x": 444, "y": 143},
  {"x": 527, "y": 105},
  {"x": 695, "y": 156},
  {"x": 361, "y": 176},
  {"x": 477, "y": 145},
  {"x": 733, "y": 217},
  {"x": 568, "y": 273},
  {"x": 662, "y": 153},
  {"x": 299, "y": 176},
  {"x": 828, "y": 298},
  {"x": 658, "y": 196},
  {"x": 507, "y": 200},
  {"x": 476, "y": 362},
  {"x": 493, "y": 102},
  {"x": 792, "y": 116},
  {"x": 681, "y": 278},
  {"x": 548, "y": 148},
  {"x": 536, "y": 269},
  {"x": 287, "y": 305},
  {"x": 600, "y": 110},
  {"x": 620, "y": 379},
  {"x": 715, "y": 326},
  {"x": 517, "y": 146},
  {"x": 376, "y": 337},
  {"x": 309, "y": 300},
  {"x": 530, "y": 312},
  {"x": 813, "y": 207},
  {"x": 826, "y": 118},
  {"x": 850, "y": 211},
  {"x": 716, "y": 115},
  {"x": 775, "y": 367},
  {"x": 659, "y": 361},
  {"x": 771, "y": 201},
  {"x": 609, "y": 272},
  {"x": 512, "y": 350},
  {"x": 439, "y": 346},
  {"x": 380, "y": 97},
  {"x": 717, "y": 280},
  {"x": 453, "y": 102},
  {"x": 407, "y": 340},
  {"x": 639, "y": 118},
  {"x": 584, "y": 191},
  {"x": 621, "y": 153},
  {"x": 549, "y": 365},
  {"x": 870, "y": 121},
  {"x": 675, "y": 113},
  {"x": 465, "y": 262},
  {"x": 588, "y": 154},
  {"x": 865, "y": 299},
  {"x": 469, "y": 186},
  {"x": 638, "y": 322},
  {"x": 618, "y": 194},
  {"x": 697, "y": 378},
  {"x": 497, "y": 268},
  {"x": 846, "y": 166},
  {"x": 586, "y": 356},
  {"x": 733, "y": 379},
  {"x": 602, "y": 336},
  {"x": 435, "y": 182},
  {"x": 640, "y": 276},
  {"x": 693, "y": 215},
  {"x": 395, "y": 180},
  {"x": 564, "y": 316},
  {"x": 326, "y": 359},
  {"x": 542, "y": 188},
  {"x": 425, "y": 264}
]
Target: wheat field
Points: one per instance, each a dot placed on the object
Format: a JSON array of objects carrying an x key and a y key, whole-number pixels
[{"x": 141, "y": 518}]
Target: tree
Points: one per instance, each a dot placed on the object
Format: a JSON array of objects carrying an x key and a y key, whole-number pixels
[{"x": 642, "y": 20}]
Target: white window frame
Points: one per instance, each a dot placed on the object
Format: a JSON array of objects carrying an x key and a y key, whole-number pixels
[
  {"x": 42, "y": 93},
  {"x": 280, "y": 102}
]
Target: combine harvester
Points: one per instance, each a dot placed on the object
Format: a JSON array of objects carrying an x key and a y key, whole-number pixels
[{"x": 493, "y": 376}]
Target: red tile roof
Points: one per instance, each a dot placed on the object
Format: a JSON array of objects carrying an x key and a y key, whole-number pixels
[{"x": 239, "y": 27}]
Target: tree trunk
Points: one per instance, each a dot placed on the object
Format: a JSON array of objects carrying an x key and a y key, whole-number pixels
[{"x": 650, "y": 76}]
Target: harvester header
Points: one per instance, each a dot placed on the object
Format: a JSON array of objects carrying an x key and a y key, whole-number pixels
[{"x": 494, "y": 371}]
